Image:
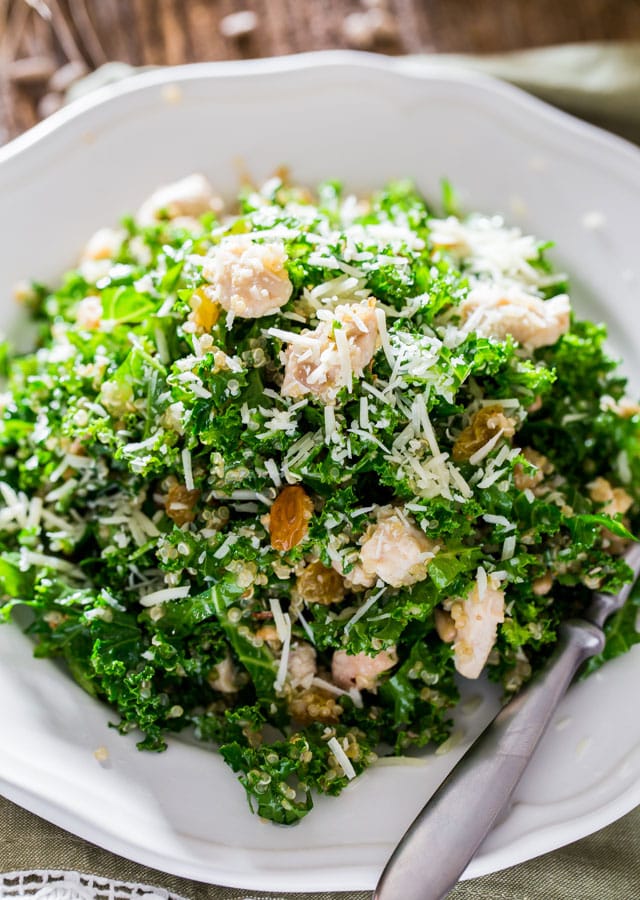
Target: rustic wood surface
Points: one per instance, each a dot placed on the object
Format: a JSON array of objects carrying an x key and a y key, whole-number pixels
[{"x": 39, "y": 38}]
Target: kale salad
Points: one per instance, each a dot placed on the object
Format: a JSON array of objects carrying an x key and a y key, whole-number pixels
[{"x": 287, "y": 474}]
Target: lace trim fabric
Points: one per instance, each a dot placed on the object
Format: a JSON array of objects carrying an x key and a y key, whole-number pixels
[{"x": 58, "y": 885}]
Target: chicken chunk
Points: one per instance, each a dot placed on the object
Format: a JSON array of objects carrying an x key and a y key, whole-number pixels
[
  {"x": 476, "y": 620},
  {"x": 328, "y": 358},
  {"x": 395, "y": 550},
  {"x": 301, "y": 666},
  {"x": 249, "y": 280},
  {"x": 190, "y": 197},
  {"x": 89, "y": 313},
  {"x": 616, "y": 500},
  {"x": 626, "y": 408},
  {"x": 104, "y": 244},
  {"x": 529, "y": 481},
  {"x": 492, "y": 311},
  {"x": 444, "y": 626},
  {"x": 361, "y": 671}
]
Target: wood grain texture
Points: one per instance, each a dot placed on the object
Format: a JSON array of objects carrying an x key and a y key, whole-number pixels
[{"x": 157, "y": 32}]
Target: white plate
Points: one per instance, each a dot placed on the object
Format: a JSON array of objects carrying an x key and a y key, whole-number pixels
[{"x": 362, "y": 119}]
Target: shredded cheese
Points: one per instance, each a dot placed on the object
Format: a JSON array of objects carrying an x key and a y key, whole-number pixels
[
  {"x": 481, "y": 581},
  {"x": 307, "y": 628},
  {"x": 363, "y": 610},
  {"x": 188, "y": 472},
  {"x": 480, "y": 454},
  {"x": 278, "y": 618},
  {"x": 341, "y": 758},
  {"x": 273, "y": 472},
  {"x": 165, "y": 595},
  {"x": 509, "y": 547},
  {"x": 281, "y": 675}
]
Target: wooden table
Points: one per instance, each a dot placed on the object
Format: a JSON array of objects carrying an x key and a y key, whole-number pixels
[{"x": 90, "y": 32}]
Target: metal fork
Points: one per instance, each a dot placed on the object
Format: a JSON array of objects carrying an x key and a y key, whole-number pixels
[{"x": 438, "y": 846}]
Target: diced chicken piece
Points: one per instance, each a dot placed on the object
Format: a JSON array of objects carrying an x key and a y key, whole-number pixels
[
  {"x": 328, "y": 358},
  {"x": 357, "y": 579},
  {"x": 104, "y": 244},
  {"x": 476, "y": 619},
  {"x": 361, "y": 671},
  {"x": 89, "y": 313},
  {"x": 223, "y": 677},
  {"x": 395, "y": 550},
  {"x": 301, "y": 665},
  {"x": 525, "y": 480},
  {"x": 444, "y": 626},
  {"x": 492, "y": 311},
  {"x": 249, "y": 279},
  {"x": 625, "y": 407},
  {"x": 616, "y": 500},
  {"x": 190, "y": 197}
]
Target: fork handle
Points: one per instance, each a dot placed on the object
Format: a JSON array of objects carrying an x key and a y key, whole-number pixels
[{"x": 438, "y": 846}]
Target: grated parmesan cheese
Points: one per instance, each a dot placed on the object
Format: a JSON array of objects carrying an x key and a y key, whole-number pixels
[
  {"x": 225, "y": 546},
  {"x": 481, "y": 581},
  {"x": 509, "y": 547},
  {"x": 329, "y": 423},
  {"x": 498, "y": 520},
  {"x": 188, "y": 472},
  {"x": 341, "y": 758},
  {"x": 480, "y": 454},
  {"x": 345, "y": 358},
  {"x": 364, "y": 609},
  {"x": 283, "y": 665},
  {"x": 165, "y": 595},
  {"x": 273, "y": 472},
  {"x": 384, "y": 336},
  {"x": 278, "y": 618}
]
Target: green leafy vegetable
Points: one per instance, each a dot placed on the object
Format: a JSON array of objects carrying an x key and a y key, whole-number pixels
[{"x": 284, "y": 478}]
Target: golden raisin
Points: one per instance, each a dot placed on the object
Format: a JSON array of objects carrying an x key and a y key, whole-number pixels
[
  {"x": 318, "y": 584},
  {"x": 484, "y": 425},
  {"x": 180, "y": 503},
  {"x": 314, "y": 705},
  {"x": 289, "y": 517},
  {"x": 205, "y": 312}
]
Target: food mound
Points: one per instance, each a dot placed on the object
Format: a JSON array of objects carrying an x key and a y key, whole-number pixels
[{"x": 288, "y": 475}]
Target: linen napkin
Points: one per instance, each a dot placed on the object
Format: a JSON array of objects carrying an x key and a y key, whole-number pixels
[{"x": 601, "y": 83}]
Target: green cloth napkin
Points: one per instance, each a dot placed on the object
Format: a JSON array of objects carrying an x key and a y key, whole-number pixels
[{"x": 601, "y": 83}]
